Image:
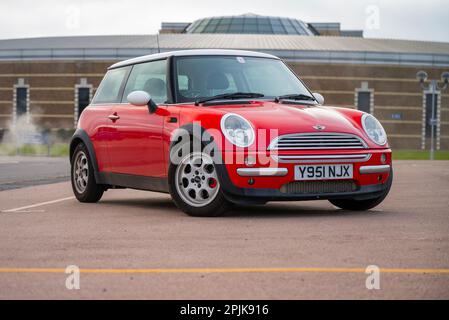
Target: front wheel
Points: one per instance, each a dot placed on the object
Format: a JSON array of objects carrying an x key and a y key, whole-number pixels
[
  {"x": 194, "y": 186},
  {"x": 362, "y": 205},
  {"x": 84, "y": 185}
]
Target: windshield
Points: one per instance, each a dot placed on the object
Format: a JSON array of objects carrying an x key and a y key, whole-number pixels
[{"x": 202, "y": 77}]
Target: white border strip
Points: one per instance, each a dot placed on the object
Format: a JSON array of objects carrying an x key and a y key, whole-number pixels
[{"x": 37, "y": 205}]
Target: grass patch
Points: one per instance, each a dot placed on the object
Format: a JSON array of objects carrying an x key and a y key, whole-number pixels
[
  {"x": 56, "y": 150},
  {"x": 419, "y": 155},
  {"x": 62, "y": 150}
]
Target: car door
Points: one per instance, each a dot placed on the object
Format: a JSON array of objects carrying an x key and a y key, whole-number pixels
[
  {"x": 97, "y": 122},
  {"x": 135, "y": 146}
]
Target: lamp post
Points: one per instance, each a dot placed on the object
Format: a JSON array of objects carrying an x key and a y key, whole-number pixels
[{"x": 432, "y": 87}]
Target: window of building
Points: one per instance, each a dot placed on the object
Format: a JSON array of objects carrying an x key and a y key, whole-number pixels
[
  {"x": 364, "y": 101},
  {"x": 83, "y": 99},
  {"x": 222, "y": 28},
  {"x": 149, "y": 77},
  {"x": 21, "y": 99},
  {"x": 83, "y": 95},
  {"x": 265, "y": 28},
  {"x": 250, "y": 28},
  {"x": 249, "y": 24},
  {"x": 21, "y": 104},
  {"x": 364, "y": 98},
  {"x": 109, "y": 89}
]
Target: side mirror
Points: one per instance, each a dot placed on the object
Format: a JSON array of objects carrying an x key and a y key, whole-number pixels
[
  {"x": 142, "y": 98},
  {"x": 318, "y": 97}
]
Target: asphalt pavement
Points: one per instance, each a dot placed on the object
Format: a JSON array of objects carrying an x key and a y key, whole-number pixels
[
  {"x": 24, "y": 171},
  {"x": 136, "y": 244}
]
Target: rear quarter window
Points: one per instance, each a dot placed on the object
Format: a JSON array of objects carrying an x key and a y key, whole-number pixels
[{"x": 109, "y": 89}]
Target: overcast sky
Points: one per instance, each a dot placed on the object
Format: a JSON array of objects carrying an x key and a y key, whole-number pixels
[{"x": 399, "y": 19}]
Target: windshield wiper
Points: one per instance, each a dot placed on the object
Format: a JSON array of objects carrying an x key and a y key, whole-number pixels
[
  {"x": 295, "y": 96},
  {"x": 231, "y": 96}
]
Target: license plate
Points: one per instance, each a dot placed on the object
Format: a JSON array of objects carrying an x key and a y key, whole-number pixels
[{"x": 324, "y": 172}]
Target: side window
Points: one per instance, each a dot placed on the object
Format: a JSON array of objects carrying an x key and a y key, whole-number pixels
[
  {"x": 109, "y": 89},
  {"x": 149, "y": 77}
]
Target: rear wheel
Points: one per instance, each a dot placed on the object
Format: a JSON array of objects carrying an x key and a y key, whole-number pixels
[
  {"x": 195, "y": 188},
  {"x": 83, "y": 180},
  {"x": 361, "y": 205}
]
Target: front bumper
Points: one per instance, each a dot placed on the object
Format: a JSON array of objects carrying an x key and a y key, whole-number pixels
[
  {"x": 259, "y": 184},
  {"x": 281, "y": 172}
]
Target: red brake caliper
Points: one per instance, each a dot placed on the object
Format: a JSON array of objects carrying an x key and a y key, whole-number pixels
[{"x": 212, "y": 183}]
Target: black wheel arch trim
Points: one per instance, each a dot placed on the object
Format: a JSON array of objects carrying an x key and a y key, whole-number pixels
[
  {"x": 225, "y": 181},
  {"x": 81, "y": 136}
]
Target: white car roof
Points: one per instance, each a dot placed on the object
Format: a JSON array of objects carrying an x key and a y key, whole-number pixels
[{"x": 196, "y": 52}]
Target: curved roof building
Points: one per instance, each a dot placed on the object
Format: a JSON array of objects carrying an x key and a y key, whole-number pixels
[
  {"x": 324, "y": 49},
  {"x": 250, "y": 24},
  {"x": 52, "y": 79}
]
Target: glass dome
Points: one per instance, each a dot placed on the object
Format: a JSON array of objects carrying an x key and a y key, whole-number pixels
[{"x": 250, "y": 24}]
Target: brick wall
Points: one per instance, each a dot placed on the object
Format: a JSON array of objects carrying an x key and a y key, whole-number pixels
[{"x": 396, "y": 92}]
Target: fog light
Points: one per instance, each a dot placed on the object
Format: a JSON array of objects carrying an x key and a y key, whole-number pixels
[
  {"x": 251, "y": 181},
  {"x": 250, "y": 161},
  {"x": 383, "y": 158}
]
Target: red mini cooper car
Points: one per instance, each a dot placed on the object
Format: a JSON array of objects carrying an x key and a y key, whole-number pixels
[{"x": 219, "y": 127}]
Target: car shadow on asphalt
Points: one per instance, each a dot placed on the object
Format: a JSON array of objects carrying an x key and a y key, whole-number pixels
[
  {"x": 275, "y": 210},
  {"x": 155, "y": 203},
  {"x": 270, "y": 210}
]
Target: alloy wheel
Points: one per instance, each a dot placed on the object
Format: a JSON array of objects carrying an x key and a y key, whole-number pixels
[
  {"x": 81, "y": 172},
  {"x": 196, "y": 179}
]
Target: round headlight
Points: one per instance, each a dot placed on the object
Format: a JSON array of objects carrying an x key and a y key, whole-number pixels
[
  {"x": 237, "y": 130},
  {"x": 374, "y": 129}
]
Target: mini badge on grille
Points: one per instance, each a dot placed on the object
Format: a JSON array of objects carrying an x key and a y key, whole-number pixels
[{"x": 319, "y": 127}]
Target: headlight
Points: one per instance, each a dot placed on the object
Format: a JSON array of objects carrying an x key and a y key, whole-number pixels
[
  {"x": 237, "y": 130},
  {"x": 374, "y": 129}
]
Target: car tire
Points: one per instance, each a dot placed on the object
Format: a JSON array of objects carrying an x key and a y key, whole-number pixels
[
  {"x": 196, "y": 191},
  {"x": 84, "y": 185},
  {"x": 362, "y": 205}
]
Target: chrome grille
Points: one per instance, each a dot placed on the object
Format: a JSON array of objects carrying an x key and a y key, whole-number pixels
[
  {"x": 317, "y": 141},
  {"x": 321, "y": 158},
  {"x": 319, "y": 187}
]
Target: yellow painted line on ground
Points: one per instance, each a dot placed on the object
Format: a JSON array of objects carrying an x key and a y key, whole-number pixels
[
  {"x": 37, "y": 205},
  {"x": 227, "y": 270}
]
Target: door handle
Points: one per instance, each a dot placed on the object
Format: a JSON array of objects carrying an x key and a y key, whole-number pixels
[{"x": 113, "y": 117}]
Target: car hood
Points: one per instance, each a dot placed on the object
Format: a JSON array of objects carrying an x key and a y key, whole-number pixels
[{"x": 292, "y": 118}]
